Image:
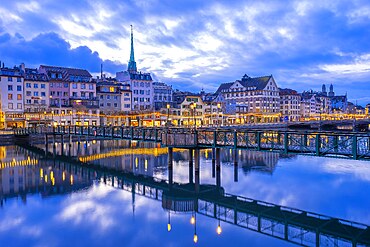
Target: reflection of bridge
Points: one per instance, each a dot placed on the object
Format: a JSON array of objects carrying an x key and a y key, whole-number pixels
[
  {"x": 289, "y": 224},
  {"x": 354, "y": 145}
]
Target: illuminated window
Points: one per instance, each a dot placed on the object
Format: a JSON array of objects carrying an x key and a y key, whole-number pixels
[
  {"x": 111, "y": 89},
  {"x": 19, "y": 96},
  {"x": 10, "y": 96}
]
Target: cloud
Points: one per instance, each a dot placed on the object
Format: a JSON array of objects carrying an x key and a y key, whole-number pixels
[
  {"x": 200, "y": 44},
  {"x": 51, "y": 49}
]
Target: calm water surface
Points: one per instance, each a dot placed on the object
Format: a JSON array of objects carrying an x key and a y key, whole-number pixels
[{"x": 54, "y": 202}]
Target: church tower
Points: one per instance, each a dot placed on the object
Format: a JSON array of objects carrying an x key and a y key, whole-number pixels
[
  {"x": 323, "y": 89},
  {"x": 331, "y": 92},
  {"x": 132, "y": 64}
]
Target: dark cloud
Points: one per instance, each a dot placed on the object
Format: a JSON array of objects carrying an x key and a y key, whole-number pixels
[{"x": 51, "y": 49}]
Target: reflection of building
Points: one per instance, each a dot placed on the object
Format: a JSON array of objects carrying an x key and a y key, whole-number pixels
[{"x": 22, "y": 174}]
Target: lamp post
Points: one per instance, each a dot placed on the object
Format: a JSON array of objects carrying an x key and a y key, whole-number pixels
[
  {"x": 218, "y": 112},
  {"x": 52, "y": 118}
]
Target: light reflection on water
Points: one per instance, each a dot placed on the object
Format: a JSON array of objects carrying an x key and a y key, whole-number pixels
[{"x": 52, "y": 204}]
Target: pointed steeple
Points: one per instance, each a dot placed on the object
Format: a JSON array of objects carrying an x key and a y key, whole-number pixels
[{"x": 132, "y": 64}]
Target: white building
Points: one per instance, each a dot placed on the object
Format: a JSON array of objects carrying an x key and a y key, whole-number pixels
[
  {"x": 11, "y": 95},
  {"x": 36, "y": 91},
  {"x": 258, "y": 96}
]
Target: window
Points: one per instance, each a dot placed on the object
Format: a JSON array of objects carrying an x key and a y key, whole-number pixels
[
  {"x": 83, "y": 94},
  {"x": 19, "y": 106},
  {"x": 10, "y": 106},
  {"x": 35, "y": 85},
  {"x": 59, "y": 76},
  {"x": 66, "y": 85},
  {"x": 127, "y": 105},
  {"x": 74, "y": 94},
  {"x": 19, "y": 79},
  {"x": 91, "y": 86},
  {"x": 53, "y": 75},
  {"x": 108, "y": 104},
  {"x": 28, "y": 85},
  {"x": 43, "y": 102},
  {"x": 10, "y": 87},
  {"x": 19, "y": 97},
  {"x": 101, "y": 96},
  {"x": 51, "y": 84},
  {"x": 36, "y": 101},
  {"x": 115, "y": 105},
  {"x": 74, "y": 85},
  {"x": 43, "y": 94},
  {"x": 65, "y": 94},
  {"x": 111, "y": 89},
  {"x": 10, "y": 78},
  {"x": 115, "y": 97},
  {"x": 43, "y": 85},
  {"x": 35, "y": 93},
  {"x": 19, "y": 88},
  {"x": 10, "y": 96},
  {"x": 28, "y": 101},
  {"x": 108, "y": 96},
  {"x": 83, "y": 86}
]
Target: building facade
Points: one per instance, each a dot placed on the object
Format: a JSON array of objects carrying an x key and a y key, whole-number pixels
[
  {"x": 12, "y": 99},
  {"x": 163, "y": 94},
  {"x": 257, "y": 96},
  {"x": 36, "y": 87},
  {"x": 290, "y": 105}
]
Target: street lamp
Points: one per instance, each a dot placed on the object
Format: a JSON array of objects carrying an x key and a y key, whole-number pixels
[{"x": 52, "y": 118}]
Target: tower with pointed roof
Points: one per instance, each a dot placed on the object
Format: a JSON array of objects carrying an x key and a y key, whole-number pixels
[{"x": 132, "y": 64}]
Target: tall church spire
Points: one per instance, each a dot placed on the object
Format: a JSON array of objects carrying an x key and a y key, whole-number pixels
[{"x": 132, "y": 64}]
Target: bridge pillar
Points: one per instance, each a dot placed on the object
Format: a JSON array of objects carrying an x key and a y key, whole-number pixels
[
  {"x": 235, "y": 154},
  {"x": 335, "y": 142},
  {"x": 218, "y": 167},
  {"x": 54, "y": 145},
  {"x": 170, "y": 166},
  {"x": 286, "y": 142},
  {"x": 354, "y": 147},
  {"x": 46, "y": 144},
  {"x": 62, "y": 144},
  {"x": 258, "y": 140},
  {"x": 213, "y": 162},
  {"x": 197, "y": 169},
  {"x": 318, "y": 144}
]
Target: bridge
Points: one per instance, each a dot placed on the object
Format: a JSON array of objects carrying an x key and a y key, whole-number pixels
[
  {"x": 352, "y": 145},
  {"x": 289, "y": 224}
]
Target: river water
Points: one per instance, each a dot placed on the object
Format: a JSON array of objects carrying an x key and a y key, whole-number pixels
[{"x": 124, "y": 198}]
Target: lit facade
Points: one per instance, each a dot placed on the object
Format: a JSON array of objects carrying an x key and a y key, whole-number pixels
[
  {"x": 163, "y": 94},
  {"x": 12, "y": 99},
  {"x": 36, "y": 91},
  {"x": 290, "y": 105}
]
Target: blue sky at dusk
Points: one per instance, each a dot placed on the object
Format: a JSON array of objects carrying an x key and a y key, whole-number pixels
[{"x": 195, "y": 44}]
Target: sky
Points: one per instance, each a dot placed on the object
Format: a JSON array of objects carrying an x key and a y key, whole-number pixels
[{"x": 193, "y": 44}]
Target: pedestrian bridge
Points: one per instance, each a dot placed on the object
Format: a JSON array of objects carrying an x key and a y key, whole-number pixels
[{"x": 340, "y": 144}]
